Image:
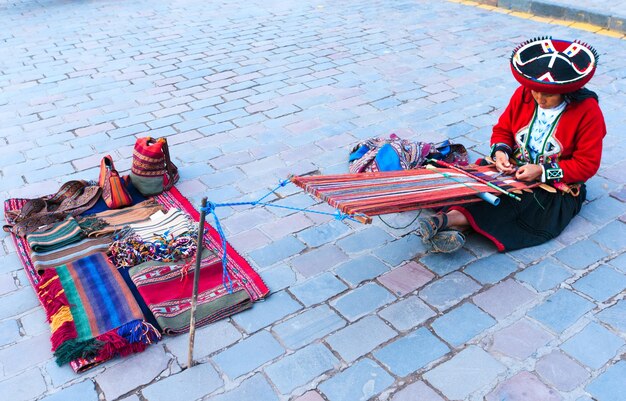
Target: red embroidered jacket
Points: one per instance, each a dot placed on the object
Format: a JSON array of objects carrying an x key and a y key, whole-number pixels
[{"x": 571, "y": 153}]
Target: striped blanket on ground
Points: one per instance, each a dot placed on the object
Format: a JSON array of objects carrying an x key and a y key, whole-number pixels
[
  {"x": 167, "y": 288},
  {"x": 69, "y": 253},
  {"x": 59, "y": 235},
  {"x": 91, "y": 311}
]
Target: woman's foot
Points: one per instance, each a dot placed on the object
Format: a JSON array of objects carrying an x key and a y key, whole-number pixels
[
  {"x": 429, "y": 226},
  {"x": 447, "y": 241}
]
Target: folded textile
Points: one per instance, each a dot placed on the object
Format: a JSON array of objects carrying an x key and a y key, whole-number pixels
[
  {"x": 92, "y": 314},
  {"x": 57, "y": 236},
  {"x": 116, "y": 219},
  {"x": 69, "y": 253},
  {"x": 167, "y": 290},
  {"x": 163, "y": 225}
]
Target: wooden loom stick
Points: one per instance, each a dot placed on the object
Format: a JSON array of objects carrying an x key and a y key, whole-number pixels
[
  {"x": 196, "y": 277},
  {"x": 467, "y": 173},
  {"x": 486, "y": 196}
]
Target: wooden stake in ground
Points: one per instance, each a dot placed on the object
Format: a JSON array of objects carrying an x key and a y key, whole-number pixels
[{"x": 196, "y": 275}]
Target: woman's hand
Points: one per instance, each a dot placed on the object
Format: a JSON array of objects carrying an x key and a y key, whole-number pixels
[
  {"x": 503, "y": 164},
  {"x": 529, "y": 172}
]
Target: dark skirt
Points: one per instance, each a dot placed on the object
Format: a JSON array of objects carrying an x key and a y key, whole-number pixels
[{"x": 539, "y": 217}]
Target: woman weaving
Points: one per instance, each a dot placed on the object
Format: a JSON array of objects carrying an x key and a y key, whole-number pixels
[{"x": 551, "y": 131}]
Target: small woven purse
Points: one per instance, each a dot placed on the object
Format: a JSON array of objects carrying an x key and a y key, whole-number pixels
[
  {"x": 152, "y": 170},
  {"x": 114, "y": 190}
]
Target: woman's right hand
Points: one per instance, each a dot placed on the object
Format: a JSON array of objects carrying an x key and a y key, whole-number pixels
[{"x": 503, "y": 164}]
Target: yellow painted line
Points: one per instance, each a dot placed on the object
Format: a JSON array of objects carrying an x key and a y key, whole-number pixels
[{"x": 583, "y": 26}]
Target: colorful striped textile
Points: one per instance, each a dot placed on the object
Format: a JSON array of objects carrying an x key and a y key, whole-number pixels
[
  {"x": 59, "y": 235},
  {"x": 91, "y": 311},
  {"x": 163, "y": 225},
  {"x": 167, "y": 289},
  {"x": 69, "y": 253},
  {"x": 116, "y": 219},
  {"x": 368, "y": 194}
]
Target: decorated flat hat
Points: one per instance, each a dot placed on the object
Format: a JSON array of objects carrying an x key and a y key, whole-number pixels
[{"x": 553, "y": 65}]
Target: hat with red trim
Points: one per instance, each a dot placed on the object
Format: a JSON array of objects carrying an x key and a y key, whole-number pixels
[{"x": 553, "y": 65}]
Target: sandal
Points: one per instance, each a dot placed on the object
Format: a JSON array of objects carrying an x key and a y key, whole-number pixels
[
  {"x": 429, "y": 226},
  {"x": 447, "y": 241}
]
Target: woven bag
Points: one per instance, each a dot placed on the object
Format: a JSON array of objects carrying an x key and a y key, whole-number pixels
[
  {"x": 114, "y": 191},
  {"x": 152, "y": 170}
]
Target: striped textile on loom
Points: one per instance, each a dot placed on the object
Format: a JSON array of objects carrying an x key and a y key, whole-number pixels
[
  {"x": 59, "y": 235},
  {"x": 370, "y": 194},
  {"x": 69, "y": 253},
  {"x": 91, "y": 311},
  {"x": 167, "y": 288}
]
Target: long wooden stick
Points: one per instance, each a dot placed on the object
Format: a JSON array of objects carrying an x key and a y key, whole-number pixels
[
  {"x": 486, "y": 196},
  {"x": 467, "y": 173},
  {"x": 196, "y": 277}
]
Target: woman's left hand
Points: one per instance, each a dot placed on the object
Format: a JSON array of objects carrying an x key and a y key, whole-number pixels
[{"x": 529, "y": 172}]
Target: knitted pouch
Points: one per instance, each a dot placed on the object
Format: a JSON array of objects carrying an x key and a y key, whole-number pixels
[{"x": 152, "y": 171}]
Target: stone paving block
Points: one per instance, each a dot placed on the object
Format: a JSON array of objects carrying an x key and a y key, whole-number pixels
[
  {"x": 619, "y": 262},
  {"x": 532, "y": 254},
  {"x": 602, "y": 283},
  {"x": 603, "y": 210},
  {"x": 505, "y": 298},
  {"x": 176, "y": 387},
  {"x": 401, "y": 250},
  {"x": 609, "y": 386},
  {"x": 472, "y": 369},
  {"x": 581, "y": 254},
  {"x": 318, "y": 260},
  {"x": 448, "y": 291},
  {"x": 255, "y": 388},
  {"x": 360, "y": 382},
  {"x": 278, "y": 278},
  {"x": 561, "y": 310},
  {"x": 277, "y": 251},
  {"x": 361, "y": 301},
  {"x": 27, "y": 385},
  {"x": 406, "y": 278},
  {"x": 461, "y": 324},
  {"x": 612, "y": 236},
  {"x": 310, "y": 396},
  {"x": 491, "y": 269},
  {"x": 9, "y": 332},
  {"x": 26, "y": 353},
  {"x": 82, "y": 391},
  {"x": 367, "y": 239},
  {"x": 133, "y": 372},
  {"x": 412, "y": 352},
  {"x": 407, "y": 313},
  {"x": 417, "y": 391},
  {"x": 444, "y": 263},
  {"x": 274, "y": 308},
  {"x": 318, "y": 289},
  {"x": 615, "y": 316},
  {"x": 286, "y": 225},
  {"x": 308, "y": 326},
  {"x": 593, "y": 346},
  {"x": 326, "y": 233},
  {"x": 560, "y": 371},
  {"x": 359, "y": 269},
  {"x": 545, "y": 275},
  {"x": 519, "y": 340},
  {"x": 248, "y": 354},
  {"x": 360, "y": 338},
  {"x": 301, "y": 367},
  {"x": 523, "y": 386},
  {"x": 208, "y": 339}
]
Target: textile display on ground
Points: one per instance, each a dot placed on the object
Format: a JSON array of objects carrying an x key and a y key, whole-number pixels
[{"x": 247, "y": 287}]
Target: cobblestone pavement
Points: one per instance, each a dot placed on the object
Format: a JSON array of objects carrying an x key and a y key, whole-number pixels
[{"x": 249, "y": 94}]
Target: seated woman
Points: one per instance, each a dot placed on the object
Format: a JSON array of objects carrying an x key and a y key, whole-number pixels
[{"x": 551, "y": 131}]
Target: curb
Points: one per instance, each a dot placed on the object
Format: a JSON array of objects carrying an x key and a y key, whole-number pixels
[{"x": 558, "y": 11}]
